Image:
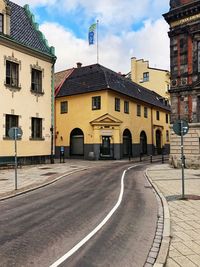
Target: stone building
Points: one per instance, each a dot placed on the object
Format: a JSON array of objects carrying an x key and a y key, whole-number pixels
[
  {"x": 27, "y": 89},
  {"x": 184, "y": 21}
]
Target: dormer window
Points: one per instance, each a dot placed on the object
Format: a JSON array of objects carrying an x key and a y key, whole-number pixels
[{"x": 1, "y": 23}]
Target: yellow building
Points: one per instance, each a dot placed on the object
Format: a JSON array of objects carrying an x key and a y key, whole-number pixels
[
  {"x": 154, "y": 79},
  {"x": 27, "y": 89},
  {"x": 100, "y": 114}
]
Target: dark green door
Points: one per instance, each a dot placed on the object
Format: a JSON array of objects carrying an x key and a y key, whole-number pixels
[{"x": 106, "y": 146}]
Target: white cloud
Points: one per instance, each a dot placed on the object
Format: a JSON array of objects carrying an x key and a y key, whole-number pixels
[
  {"x": 118, "y": 42},
  {"x": 115, "y": 14},
  {"x": 115, "y": 52},
  {"x": 35, "y": 3}
]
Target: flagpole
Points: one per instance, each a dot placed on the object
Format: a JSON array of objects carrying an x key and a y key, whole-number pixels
[{"x": 97, "y": 41}]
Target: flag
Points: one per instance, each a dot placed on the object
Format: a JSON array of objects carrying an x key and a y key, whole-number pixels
[{"x": 91, "y": 33}]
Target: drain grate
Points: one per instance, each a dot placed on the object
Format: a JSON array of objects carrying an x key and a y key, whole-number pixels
[
  {"x": 44, "y": 168},
  {"x": 48, "y": 173},
  {"x": 3, "y": 179}
]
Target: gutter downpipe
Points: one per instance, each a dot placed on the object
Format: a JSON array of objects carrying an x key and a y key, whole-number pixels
[
  {"x": 52, "y": 113},
  {"x": 152, "y": 142}
]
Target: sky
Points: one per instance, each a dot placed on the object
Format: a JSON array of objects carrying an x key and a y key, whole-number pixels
[{"x": 127, "y": 28}]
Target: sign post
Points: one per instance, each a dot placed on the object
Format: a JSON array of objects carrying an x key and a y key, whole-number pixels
[
  {"x": 15, "y": 133},
  {"x": 181, "y": 128}
]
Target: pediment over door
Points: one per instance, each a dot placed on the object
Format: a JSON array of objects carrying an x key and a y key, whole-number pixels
[{"x": 106, "y": 120}]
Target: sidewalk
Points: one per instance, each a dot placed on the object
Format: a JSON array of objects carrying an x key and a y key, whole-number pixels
[{"x": 184, "y": 215}]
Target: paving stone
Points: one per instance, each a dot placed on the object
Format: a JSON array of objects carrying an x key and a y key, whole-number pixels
[
  {"x": 154, "y": 249},
  {"x": 150, "y": 260},
  {"x": 195, "y": 247},
  {"x": 195, "y": 259},
  {"x": 184, "y": 250},
  {"x": 182, "y": 235},
  {"x": 148, "y": 265},
  {"x": 171, "y": 263},
  {"x": 153, "y": 254},
  {"x": 174, "y": 252},
  {"x": 184, "y": 262}
]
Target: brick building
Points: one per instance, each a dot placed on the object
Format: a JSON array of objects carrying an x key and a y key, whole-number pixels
[{"x": 184, "y": 21}]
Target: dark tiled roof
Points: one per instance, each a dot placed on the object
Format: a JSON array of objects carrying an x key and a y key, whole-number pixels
[
  {"x": 24, "y": 31},
  {"x": 60, "y": 76},
  {"x": 96, "y": 77}
]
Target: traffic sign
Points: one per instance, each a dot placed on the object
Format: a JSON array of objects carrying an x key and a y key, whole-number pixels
[
  {"x": 177, "y": 127},
  {"x": 15, "y": 133}
]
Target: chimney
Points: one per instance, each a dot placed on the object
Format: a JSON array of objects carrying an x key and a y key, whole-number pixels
[{"x": 79, "y": 64}]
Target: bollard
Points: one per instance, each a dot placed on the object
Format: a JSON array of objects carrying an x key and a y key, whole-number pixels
[
  {"x": 140, "y": 157},
  {"x": 162, "y": 158},
  {"x": 151, "y": 159}
]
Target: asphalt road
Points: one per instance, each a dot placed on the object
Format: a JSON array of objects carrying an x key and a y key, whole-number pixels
[{"x": 39, "y": 227}]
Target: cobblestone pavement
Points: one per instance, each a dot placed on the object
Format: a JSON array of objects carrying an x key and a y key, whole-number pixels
[{"x": 184, "y": 217}]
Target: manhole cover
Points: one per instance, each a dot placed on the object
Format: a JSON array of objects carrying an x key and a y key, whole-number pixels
[
  {"x": 3, "y": 179},
  {"x": 48, "y": 173}
]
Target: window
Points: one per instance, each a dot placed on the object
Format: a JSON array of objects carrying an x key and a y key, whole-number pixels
[
  {"x": 12, "y": 74},
  {"x": 198, "y": 46},
  {"x": 96, "y": 102},
  {"x": 157, "y": 115},
  {"x": 36, "y": 128},
  {"x": 126, "y": 107},
  {"x": 11, "y": 121},
  {"x": 167, "y": 135},
  {"x": 145, "y": 76},
  {"x": 117, "y": 104},
  {"x": 167, "y": 118},
  {"x": 63, "y": 107},
  {"x": 138, "y": 110},
  {"x": 1, "y": 23},
  {"x": 145, "y": 112},
  {"x": 198, "y": 108},
  {"x": 36, "y": 81}
]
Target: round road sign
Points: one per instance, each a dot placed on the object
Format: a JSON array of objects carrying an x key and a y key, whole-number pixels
[
  {"x": 177, "y": 127},
  {"x": 15, "y": 133}
]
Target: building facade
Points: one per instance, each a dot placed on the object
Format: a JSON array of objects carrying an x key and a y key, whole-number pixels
[
  {"x": 26, "y": 86},
  {"x": 184, "y": 21},
  {"x": 154, "y": 79},
  {"x": 102, "y": 115}
]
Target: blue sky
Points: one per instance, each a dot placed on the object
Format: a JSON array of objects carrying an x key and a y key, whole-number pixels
[{"x": 127, "y": 28}]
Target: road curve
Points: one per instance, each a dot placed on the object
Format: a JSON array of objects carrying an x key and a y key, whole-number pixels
[{"x": 39, "y": 227}]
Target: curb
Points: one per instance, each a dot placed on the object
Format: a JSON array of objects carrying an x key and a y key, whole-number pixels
[
  {"x": 166, "y": 238},
  {"x": 33, "y": 187}
]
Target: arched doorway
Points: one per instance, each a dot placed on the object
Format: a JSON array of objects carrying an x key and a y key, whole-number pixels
[
  {"x": 158, "y": 142},
  {"x": 143, "y": 143},
  {"x": 127, "y": 143},
  {"x": 76, "y": 142}
]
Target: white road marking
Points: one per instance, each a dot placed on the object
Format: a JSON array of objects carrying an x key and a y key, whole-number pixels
[{"x": 91, "y": 234}]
